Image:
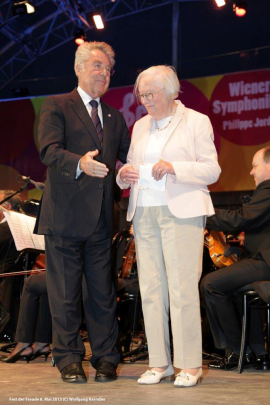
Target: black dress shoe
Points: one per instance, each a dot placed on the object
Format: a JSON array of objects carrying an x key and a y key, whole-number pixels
[
  {"x": 106, "y": 371},
  {"x": 73, "y": 373},
  {"x": 231, "y": 362},
  {"x": 262, "y": 362}
]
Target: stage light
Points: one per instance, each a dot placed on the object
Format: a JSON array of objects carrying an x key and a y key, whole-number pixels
[
  {"x": 240, "y": 8},
  {"x": 220, "y": 3},
  {"x": 22, "y": 7},
  {"x": 30, "y": 9},
  {"x": 98, "y": 21},
  {"x": 79, "y": 36}
]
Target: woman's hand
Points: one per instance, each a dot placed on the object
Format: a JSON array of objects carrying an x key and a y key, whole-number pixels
[
  {"x": 161, "y": 168},
  {"x": 129, "y": 175}
]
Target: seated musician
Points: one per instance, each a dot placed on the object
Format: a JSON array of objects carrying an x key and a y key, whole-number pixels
[
  {"x": 218, "y": 287},
  {"x": 34, "y": 328},
  {"x": 8, "y": 256}
]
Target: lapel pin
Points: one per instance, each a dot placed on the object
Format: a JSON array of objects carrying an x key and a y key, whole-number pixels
[{"x": 109, "y": 115}]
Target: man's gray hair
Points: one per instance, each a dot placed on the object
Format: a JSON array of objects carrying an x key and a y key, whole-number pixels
[
  {"x": 164, "y": 74},
  {"x": 83, "y": 52},
  {"x": 13, "y": 201},
  {"x": 266, "y": 154}
]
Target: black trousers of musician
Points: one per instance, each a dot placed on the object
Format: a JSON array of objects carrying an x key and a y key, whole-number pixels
[
  {"x": 223, "y": 312},
  {"x": 35, "y": 322},
  {"x": 75, "y": 266}
]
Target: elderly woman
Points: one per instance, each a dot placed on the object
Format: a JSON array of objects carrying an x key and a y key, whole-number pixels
[{"x": 171, "y": 160}]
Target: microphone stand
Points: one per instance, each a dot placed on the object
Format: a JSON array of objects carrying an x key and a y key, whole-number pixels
[{"x": 16, "y": 192}]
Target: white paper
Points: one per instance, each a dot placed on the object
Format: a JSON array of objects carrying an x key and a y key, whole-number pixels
[
  {"x": 147, "y": 181},
  {"x": 22, "y": 227}
]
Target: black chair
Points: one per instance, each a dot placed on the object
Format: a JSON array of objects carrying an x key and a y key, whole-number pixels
[
  {"x": 132, "y": 300},
  {"x": 251, "y": 301}
]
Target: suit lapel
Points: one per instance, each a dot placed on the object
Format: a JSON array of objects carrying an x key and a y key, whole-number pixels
[{"x": 80, "y": 110}]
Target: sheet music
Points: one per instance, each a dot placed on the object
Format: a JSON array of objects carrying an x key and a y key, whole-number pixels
[{"x": 22, "y": 227}]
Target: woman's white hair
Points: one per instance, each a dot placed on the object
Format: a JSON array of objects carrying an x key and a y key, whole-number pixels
[
  {"x": 83, "y": 52},
  {"x": 167, "y": 77}
]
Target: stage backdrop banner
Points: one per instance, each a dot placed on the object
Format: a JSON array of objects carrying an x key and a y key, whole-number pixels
[{"x": 238, "y": 106}]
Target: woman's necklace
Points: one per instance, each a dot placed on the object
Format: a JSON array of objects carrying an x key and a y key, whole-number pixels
[{"x": 166, "y": 126}]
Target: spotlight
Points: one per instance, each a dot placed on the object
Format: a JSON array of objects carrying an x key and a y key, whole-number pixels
[
  {"x": 22, "y": 7},
  {"x": 240, "y": 8},
  {"x": 220, "y": 3},
  {"x": 98, "y": 21},
  {"x": 79, "y": 36}
]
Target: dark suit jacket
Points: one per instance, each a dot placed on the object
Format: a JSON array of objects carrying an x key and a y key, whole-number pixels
[
  {"x": 253, "y": 219},
  {"x": 71, "y": 207}
]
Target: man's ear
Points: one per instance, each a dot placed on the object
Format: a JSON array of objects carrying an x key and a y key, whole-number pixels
[{"x": 78, "y": 69}]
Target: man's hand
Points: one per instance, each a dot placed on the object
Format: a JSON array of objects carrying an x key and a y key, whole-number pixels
[{"x": 91, "y": 167}]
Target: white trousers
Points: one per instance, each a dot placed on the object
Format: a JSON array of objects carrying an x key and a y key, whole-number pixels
[{"x": 169, "y": 259}]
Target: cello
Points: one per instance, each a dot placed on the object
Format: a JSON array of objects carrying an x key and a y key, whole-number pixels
[
  {"x": 217, "y": 245},
  {"x": 130, "y": 257}
]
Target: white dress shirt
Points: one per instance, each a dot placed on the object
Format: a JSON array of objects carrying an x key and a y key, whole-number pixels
[{"x": 86, "y": 100}]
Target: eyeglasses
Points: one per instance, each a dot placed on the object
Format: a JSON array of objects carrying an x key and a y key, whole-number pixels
[
  {"x": 149, "y": 95},
  {"x": 100, "y": 66}
]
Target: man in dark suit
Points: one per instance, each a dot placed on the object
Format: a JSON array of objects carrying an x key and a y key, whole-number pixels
[
  {"x": 219, "y": 286},
  {"x": 80, "y": 139}
]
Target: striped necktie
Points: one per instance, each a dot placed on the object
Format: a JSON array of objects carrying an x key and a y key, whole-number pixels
[{"x": 96, "y": 120}]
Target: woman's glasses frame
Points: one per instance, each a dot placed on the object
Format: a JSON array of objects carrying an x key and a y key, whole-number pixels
[{"x": 148, "y": 96}]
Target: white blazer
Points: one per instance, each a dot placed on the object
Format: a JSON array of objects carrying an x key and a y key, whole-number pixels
[{"x": 189, "y": 147}]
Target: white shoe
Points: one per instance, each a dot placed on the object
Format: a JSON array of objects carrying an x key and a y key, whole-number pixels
[
  {"x": 154, "y": 377},
  {"x": 187, "y": 380}
]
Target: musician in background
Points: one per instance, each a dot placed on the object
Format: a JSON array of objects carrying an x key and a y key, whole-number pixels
[
  {"x": 218, "y": 287},
  {"x": 34, "y": 328},
  {"x": 8, "y": 256}
]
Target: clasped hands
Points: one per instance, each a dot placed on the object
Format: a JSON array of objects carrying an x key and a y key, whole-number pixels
[
  {"x": 129, "y": 175},
  {"x": 92, "y": 167}
]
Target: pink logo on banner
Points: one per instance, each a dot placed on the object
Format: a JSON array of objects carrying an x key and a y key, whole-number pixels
[
  {"x": 123, "y": 100},
  {"x": 240, "y": 108}
]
